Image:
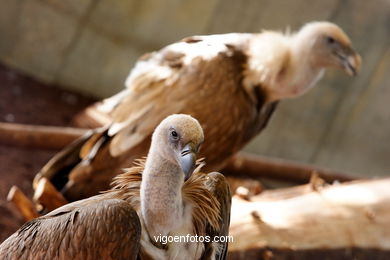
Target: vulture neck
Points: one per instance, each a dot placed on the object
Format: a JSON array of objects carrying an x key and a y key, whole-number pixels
[
  {"x": 304, "y": 73},
  {"x": 282, "y": 64},
  {"x": 162, "y": 206}
]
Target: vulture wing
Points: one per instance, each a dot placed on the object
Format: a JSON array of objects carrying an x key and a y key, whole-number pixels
[
  {"x": 176, "y": 79},
  {"x": 94, "y": 228},
  {"x": 219, "y": 187},
  {"x": 198, "y": 76}
]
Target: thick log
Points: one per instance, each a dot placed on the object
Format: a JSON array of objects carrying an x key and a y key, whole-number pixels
[
  {"x": 255, "y": 166},
  {"x": 48, "y": 196},
  {"x": 22, "y": 203},
  {"x": 46, "y": 137},
  {"x": 344, "y": 220}
]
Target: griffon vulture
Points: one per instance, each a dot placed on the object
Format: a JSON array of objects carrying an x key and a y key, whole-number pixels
[
  {"x": 162, "y": 196},
  {"x": 230, "y": 82}
]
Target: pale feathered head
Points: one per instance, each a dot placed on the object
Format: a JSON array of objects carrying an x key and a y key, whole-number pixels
[
  {"x": 177, "y": 139},
  {"x": 329, "y": 46}
]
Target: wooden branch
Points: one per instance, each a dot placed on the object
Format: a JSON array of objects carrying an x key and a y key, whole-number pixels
[
  {"x": 305, "y": 223},
  {"x": 47, "y": 137},
  {"x": 50, "y": 137},
  {"x": 22, "y": 203},
  {"x": 47, "y": 195},
  {"x": 244, "y": 164}
]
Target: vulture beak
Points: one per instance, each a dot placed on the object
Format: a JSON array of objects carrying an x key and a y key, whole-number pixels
[
  {"x": 187, "y": 159},
  {"x": 350, "y": 61}
]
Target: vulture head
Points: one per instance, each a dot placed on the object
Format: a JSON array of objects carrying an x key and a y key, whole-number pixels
[
  {"x": 178, "y": 139},
  {"x": 329, "y": 46},
  {"x": 300, "y": 59}
]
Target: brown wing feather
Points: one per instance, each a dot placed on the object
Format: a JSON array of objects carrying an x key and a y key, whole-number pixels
[
  {"x": 219, "y": 188},
  {"x": 95, "y": 228}
]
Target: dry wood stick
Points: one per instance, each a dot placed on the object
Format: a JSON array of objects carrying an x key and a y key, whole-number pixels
[
  {"x": 47, "y": 137},
  {"x": 22, "y": 203},
  {"x": 47, "y": 195},
  {"x": 244, "y": 164}
]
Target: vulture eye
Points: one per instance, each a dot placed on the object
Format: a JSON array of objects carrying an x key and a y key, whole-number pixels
[
  {"x": 330, "y": 40},
  {"x": 174, "y": 135}
]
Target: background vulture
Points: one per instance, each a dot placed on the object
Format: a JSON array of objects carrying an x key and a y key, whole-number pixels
[
  {"x": 161, "y": 196},
  {"x": 230, "y": 82}
]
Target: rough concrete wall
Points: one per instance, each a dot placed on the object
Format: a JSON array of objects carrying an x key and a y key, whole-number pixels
[{"x": 91, "y": 45}]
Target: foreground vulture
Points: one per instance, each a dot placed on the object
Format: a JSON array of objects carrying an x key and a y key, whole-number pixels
[
  {"x": 230, "y": 82},
  {"x": 159, "y": 197}
]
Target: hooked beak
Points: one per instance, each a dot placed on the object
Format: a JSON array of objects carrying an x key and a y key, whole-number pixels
[
  {"x": 187, "y": 159},
  {"x": 350, "y": 61}
]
